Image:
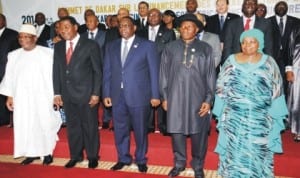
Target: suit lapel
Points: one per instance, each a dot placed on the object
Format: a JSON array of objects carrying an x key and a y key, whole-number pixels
[{"x": 132, "y": 50}]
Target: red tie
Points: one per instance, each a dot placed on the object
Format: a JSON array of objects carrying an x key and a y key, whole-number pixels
[
  {"x": 247, "y": 25},
  {"x": 69, "y": 53}
]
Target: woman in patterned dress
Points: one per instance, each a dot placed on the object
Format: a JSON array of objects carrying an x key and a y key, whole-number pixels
[{"x": 250, "y": 109}]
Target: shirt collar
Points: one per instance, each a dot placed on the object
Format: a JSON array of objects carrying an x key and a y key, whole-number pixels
[{"x": 2, "y": 30}]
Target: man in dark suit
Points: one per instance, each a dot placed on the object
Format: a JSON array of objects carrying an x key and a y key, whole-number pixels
[
  {"x": 77, "y": 80},
  {"x": 218, "y": 22},
  {"x": 8, "y": 41},
  {"x": 142, "y": 21},
  {"x": 130, "y": 86},
  {"x": 247, "y": 21},
  {"x": 161, "y": 35},
  {"x": 94, "y": 33},
  {"x": 83, "y": 28},
  {"x": 43, "y": 30},
  {"x": 282, "y": 25}
]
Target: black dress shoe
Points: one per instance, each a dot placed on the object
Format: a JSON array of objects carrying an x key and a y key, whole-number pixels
[
  {"x": 119, "y": 165},
  {"x": 47, "y": 160},
  {"x": 93, "y": 163},
  {"x": 199, "y": 173},
  {"x": 29, "y": 160},
  {"x": 105, "y": 125},
  {"x": 71, "y": 163},
  {"x": 142, "y": 167},
  {"x": 175, "y": 171}
]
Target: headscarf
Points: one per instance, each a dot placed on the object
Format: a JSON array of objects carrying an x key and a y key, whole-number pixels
[{"x": 257, "y": 34}]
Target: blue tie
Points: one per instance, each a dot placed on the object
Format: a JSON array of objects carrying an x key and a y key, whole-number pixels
[{"x": 221, "y": 22}]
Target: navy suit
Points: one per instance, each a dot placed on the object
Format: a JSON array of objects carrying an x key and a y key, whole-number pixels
[
  {"x": 214, "y": 24},
  {"x": 131, "y": 104}
]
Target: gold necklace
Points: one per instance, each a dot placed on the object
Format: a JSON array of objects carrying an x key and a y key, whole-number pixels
[{"x": 188, "y": 64}]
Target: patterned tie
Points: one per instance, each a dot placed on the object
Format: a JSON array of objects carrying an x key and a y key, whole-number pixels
[
  {"x": 152, "y": 34},
  {"x": 221, "y": 22},
  {"x": 281, "y": 26},
  {"x": 247, "y": 25},
  {"x": 92, "y": 35},
  {"x": 69, "y": 53},
  {"x": 124, "y": 53}
]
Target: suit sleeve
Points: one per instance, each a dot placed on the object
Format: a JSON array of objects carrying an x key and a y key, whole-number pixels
[
  {"x": 153, "y": 62},
  {"x": 106, "y": 73},
  {"x": 96, "y": 58},
  {"x": 268, "y": 39},
  {"x": 56, "y": 72}
]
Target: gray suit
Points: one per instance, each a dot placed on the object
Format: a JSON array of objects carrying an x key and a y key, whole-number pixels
[{"x": 214, "y": 41}]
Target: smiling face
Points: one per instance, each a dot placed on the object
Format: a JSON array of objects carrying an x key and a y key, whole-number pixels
[
  {"x": 27, "y": 41},
  {"x": 188, "y": 30},
  {"x": 67, "y": 30},
  {"x": 126, "y": 28},
  {"x": 154, "y": 17},
  {"x": 249, "y": 7},
  {"x": 249, "y": 46},
  {"x": 221, "y": 6},
  {"x": 191, "y": 6}
]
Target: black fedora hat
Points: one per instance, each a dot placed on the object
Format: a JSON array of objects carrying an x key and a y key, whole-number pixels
[{"x": 192, "y": 18}]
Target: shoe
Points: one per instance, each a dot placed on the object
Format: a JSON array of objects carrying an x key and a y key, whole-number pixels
[
  {"x": 297, "y": 138},
  {"x": 199, "y": 173},
  {"x": 105, "y": 125},
  {"x": 119, "y": 165},
  {"x": 142, "y": 167},
  {"x": 93, "y": 163},
  {"x": 175, "y": 171},
  {"x": 29, "y": 160},
  {"x": 47, "y": 160},
  {"x": 71, "y": 163}
]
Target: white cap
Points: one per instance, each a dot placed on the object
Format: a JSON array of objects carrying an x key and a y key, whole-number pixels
[{"x": 28, "y": 28}]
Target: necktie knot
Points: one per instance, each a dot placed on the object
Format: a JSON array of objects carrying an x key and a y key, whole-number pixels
[
  {"x": 92, "y": 35},
  {"x": 247, "y": 25}
]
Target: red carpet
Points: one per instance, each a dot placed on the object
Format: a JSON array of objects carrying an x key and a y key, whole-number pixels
[{"x": 159, "y": 153}]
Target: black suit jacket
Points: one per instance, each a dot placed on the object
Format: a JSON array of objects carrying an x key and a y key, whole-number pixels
[
  {"x": 83, "y": 28},
  {"x": 213, "y": 24},
  {"x": 8, "y": 42},
  {"x": 82, "y": 78},
  {"x": 281, "y": 43},
  {"x": 236, "y": 27},
  {"x": 163, "y": 36},
  {"x": 44, "y": 36},
  {"x": 139, "y": 26}
]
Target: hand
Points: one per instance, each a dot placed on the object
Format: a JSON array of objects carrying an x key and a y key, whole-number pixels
[
  {"x": 10, "y": 103},
  {"x": 94, "y": 100},
  {"x": 58, "y": 102},
  {"x": 107, "y": 102},
  {"x": 164, "y": 105},
  {"x": 290, "y": 76},
  {"x": 205, "y": 109},
  {"x": 155, "y": 102}
]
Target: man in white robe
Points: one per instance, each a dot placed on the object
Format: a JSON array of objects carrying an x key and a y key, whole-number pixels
[{"x": 28, "y": 84}]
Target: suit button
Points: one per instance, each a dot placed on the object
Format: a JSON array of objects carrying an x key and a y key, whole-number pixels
[{"x": 67, "y": 71}]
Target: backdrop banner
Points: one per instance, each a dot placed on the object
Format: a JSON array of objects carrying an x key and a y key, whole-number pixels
[{"x": 18, "y": 12}]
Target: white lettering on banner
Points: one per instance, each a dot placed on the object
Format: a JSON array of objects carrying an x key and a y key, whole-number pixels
[{"x": 18, "y": 12}]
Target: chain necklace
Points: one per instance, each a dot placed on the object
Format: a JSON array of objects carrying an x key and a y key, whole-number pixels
[{"x": 187, "y": 63}]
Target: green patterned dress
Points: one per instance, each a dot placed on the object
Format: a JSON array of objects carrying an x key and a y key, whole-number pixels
[{"x": 250, "y": 109}]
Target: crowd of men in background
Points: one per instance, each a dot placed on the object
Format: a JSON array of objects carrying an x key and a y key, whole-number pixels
[{"x": 221, "y": 31}]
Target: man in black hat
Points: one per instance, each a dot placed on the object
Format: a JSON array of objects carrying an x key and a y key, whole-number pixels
[{"x": 187, "y": 84}]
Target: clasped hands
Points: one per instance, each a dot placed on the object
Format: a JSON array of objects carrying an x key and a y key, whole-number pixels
[{"x": 107, "y": 102}]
